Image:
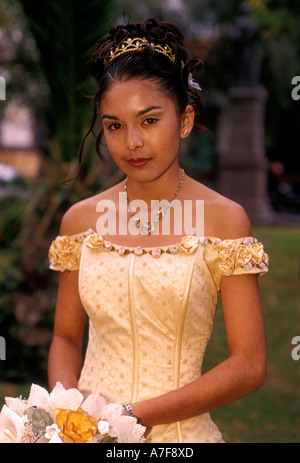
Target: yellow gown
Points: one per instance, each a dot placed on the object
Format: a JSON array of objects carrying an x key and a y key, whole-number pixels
[{"x": 151, "y": 313}]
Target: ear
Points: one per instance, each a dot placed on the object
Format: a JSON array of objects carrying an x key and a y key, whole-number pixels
[{"x": 187, "y": 121}]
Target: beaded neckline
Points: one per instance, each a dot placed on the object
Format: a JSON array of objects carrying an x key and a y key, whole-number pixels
[
  {"x": 244, "y": 252},
  {"x": 80, "y": 237},
  {"x": 188, "y": 244}
]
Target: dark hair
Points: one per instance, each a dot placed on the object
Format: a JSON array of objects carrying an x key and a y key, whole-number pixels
[{"x": 174, "y": 77}]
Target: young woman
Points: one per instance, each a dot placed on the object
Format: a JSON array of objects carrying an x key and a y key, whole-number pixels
[{"x": 150, "y": 295}]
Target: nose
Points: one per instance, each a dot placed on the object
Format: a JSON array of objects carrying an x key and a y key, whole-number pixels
[{"x": 134, "y": 139}]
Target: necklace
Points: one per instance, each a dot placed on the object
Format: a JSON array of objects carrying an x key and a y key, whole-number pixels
[{"x": 149, "y": 227}]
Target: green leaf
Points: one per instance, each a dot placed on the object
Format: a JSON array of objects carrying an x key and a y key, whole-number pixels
[
  {"x": 109, "y": 440},
  {"x": 40, "y": 419}
]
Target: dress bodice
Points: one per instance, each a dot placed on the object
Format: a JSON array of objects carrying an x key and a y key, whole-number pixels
[{"x": 151, "y": 313}]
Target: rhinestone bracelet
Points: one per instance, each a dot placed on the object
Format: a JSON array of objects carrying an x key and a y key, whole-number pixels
[{"x": 128, "y": 411}]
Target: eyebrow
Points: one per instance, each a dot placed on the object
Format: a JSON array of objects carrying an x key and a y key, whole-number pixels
[{"x": 140, "y": 113}]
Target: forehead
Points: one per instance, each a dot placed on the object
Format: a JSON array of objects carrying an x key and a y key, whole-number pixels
[{"x": 134, "y": 94}]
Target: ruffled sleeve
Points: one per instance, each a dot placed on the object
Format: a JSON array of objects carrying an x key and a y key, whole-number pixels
[
  {"x": 65, "y": 252},
  {"x": 235, "y": 257}
]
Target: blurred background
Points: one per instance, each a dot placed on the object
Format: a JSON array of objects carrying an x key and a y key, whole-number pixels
[{"x": 251, "y": 54}]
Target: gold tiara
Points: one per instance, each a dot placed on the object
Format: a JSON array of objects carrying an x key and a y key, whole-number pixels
[{"x": 137, "y": 44}]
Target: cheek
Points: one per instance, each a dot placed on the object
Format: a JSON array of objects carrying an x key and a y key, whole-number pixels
[
  {"x": 113, "y": 148},
  {"x": 112, "y": 143}
]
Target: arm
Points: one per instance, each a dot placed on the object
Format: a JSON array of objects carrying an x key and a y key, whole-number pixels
[
  {"x": 240, "y": 374},
  {"x": 65, "y": 356}
]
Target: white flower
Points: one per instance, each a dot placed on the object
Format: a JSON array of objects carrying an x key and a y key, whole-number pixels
[
  {"x": 103, "y": 427},
  {"x": 121, "y": 250},
  {"x": 138, "y": 251},
  {"x": 39, "y": 397},
  {"x": 108, "y": 246},
  {"x": 204, "y": 241},
  {"x": 16, "y": 404},
  {"x": 11, "y": 426},
  {"x": 126, "y": 429},
  {"x": 192, "y": 83},
  {"x": 174, "y": 248},
  {"x": 111, "y": 411},
  {"x": 55, "y": 439},
  {"x": 65, "y": 398},
  {"x": 59, "y": 398},
  {"x": 25, "y": 419},
  {"x": 51, "y": 430},
  {"x": 156, "y": 252},
  {"x": 93, "y": 405}
]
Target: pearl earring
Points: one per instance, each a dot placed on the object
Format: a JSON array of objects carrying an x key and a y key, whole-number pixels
[{"x": 186, "y": 132}]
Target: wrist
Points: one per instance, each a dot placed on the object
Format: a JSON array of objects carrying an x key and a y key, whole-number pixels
[{"x": 128, "y": 411}]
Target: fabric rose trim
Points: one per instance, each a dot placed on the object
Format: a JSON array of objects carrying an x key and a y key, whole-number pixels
[
  {"x": 258, "y": 254},
  {"x": 63, "y": 253},
  {"x": 94, "y": 241},
  {"x": 189, "y": 244},
  {"x": 247, "y": 254},
  {"x": 243, "y": 255},
  {"x": 226, "y": 254}
]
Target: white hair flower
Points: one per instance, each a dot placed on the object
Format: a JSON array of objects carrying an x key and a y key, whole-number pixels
[{"x": 192, "y": 83}]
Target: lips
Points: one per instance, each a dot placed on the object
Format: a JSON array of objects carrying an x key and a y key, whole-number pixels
[{"x": 139, "y": 162}]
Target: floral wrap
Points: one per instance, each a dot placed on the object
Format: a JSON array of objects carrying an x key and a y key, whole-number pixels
[
  {"x": 234, "y": 256},
  {"x": 65, "y": 251}
]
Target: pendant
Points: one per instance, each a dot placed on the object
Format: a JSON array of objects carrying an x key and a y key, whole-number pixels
[{"x": 149, "y": 227}]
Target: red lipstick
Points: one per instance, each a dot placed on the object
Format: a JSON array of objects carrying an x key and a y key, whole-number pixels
[{"x": 139, "y": 162}]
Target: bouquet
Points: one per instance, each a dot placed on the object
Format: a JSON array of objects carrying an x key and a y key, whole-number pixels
[{"x": 63, "y": 416}]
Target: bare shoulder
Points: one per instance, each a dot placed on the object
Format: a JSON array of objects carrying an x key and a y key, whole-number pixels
[
  {"x": 83, "y": 215},
  {"x": 230, "y": 219},
  {"x": 223, "y": 217}
]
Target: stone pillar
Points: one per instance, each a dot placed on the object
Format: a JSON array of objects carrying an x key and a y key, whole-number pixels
[{"x": 241, "y": 154}]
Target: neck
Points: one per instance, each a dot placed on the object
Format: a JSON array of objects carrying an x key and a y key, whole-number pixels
[
  {"x": 160, "y": 188},
  {"x": 150, "y": 225}
]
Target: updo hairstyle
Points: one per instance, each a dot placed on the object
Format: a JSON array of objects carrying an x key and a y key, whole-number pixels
[{"x": 175, "y": 78}]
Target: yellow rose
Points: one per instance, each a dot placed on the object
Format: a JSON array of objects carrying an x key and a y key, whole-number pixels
[
  {"x": 226, "y": 248},
  {"x": 266, "y": 259},
  {"x": 75, "y": 426},
  {"x": 189, "y": 244},
  {"x": 94, "y": 241},
  {"x": 257, "y": 253},
  {"x": 62, "y": 252},
  {"x": 227, "y": 265},
  {"x": 243, "y": 255},
  {"x": 226, "y": 255}
]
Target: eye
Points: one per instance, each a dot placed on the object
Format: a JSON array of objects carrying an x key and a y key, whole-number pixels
[
  {"x": 150, "y": 120},
  {"x": 114, "y": 126}
]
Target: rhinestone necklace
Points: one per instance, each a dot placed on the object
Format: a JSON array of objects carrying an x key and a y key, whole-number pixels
[{"x": 149, "y": 227}]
